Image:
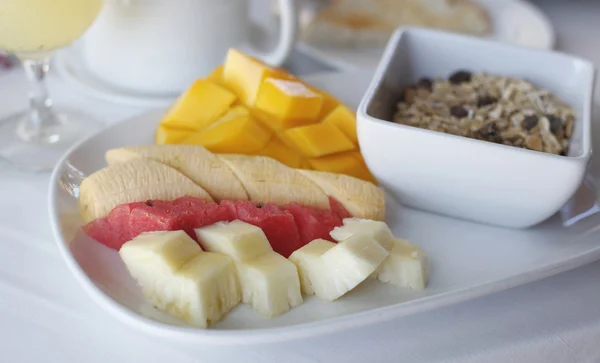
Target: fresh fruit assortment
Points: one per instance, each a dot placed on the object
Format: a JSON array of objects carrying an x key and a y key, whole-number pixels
[
  {"x": 247, "y": 107},
  {"x": 177, "y": 276},
  {"x": 202, "y": 229}
]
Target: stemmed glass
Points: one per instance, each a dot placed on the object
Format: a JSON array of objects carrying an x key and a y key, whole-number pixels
[{"x": 32, "y": 30}]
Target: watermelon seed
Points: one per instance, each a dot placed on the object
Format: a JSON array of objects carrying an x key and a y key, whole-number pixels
[
  {"x": 149, "y": 203},
  {"x": 259, "y": 205}
]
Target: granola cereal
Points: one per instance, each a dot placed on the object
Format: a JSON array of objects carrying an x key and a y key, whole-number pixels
[{"x": 499, "y": 109}]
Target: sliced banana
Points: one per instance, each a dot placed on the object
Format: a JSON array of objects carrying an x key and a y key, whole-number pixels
[
  {"x": 269, "y": 181},
  {"x": 361, "y": 199},
  {"x": 133, "y": 181},
  {"x": 200, "y": 165}
]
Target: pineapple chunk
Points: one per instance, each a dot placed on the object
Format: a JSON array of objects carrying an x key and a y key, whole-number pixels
[
  {"x": 318, "y": 140},
  {"x": 199, "y": 106},
  {"x": 374, "y": 229},
  {"x": 242, "y": 241},
  {"x": 406, "y": 266},
  {"x": 330, "y": 270},
  {"x": 177, "y": 277},
  {"x": 203, "y": 290},
  {"x": 270, "y": 284},
  {"x": 309, "y": 263}
]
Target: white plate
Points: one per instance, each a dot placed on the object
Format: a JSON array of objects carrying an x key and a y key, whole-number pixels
[
  {"x": 514, "y": 21},
  {"x": 468, "y": 260}
]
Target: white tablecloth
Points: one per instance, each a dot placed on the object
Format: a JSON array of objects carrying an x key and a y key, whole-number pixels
[{"x": 45, "y": 317}]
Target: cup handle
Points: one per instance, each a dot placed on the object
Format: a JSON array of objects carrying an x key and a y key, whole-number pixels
[{"x": 287, "y": 36}]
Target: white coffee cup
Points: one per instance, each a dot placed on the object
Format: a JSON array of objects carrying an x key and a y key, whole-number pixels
[{"x": 162, "y": 46}]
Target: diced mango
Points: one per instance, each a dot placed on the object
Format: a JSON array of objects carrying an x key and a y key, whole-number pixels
[
  {"x": 329, "y": 102},
  {"x": 244, "y": 75},
  {"x": 345, "y": 120},
  {"x": 318, "y": 140},
  {"x": 288, "y": 103},
  {"x": 343, "y": 163},
  {"x": 165, "y": 135},
  {"x": 216, "y": 76},
  {"x": 279, "y": 151},
  {"x": 199, "y": 106},
  {"x": 236, "y": 132}
]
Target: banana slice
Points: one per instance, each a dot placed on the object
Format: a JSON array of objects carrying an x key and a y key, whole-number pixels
[
  {"x": 269, "y": 282},
  {"x": 269, "y": 181},
  {"x": 177, "y": 277},
  {"x": 200, "y": 165},
  {"x": 361, "y": 199},
  {"x": 133, "y": 181}
]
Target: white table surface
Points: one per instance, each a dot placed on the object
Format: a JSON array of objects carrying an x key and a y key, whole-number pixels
[{"x": 45, "y": 317}]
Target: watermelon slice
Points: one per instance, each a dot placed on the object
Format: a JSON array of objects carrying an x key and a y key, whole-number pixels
[
  {"x": 278, "y": 225},
  {"x": 313, "y": 223},
  {"x": 287, "y": 228},
  {"x": 195, "y": 213},
  {"x": 338, "y": 209},
  {"x": 127, "y": 221}
]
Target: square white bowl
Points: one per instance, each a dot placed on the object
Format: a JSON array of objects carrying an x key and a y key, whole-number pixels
[{"x": 462, "y": 177}]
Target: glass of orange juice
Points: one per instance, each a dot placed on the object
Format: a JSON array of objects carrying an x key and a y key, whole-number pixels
[{"x": 32, "y": 30}]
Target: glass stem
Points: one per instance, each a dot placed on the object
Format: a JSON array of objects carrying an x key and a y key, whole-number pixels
[{"x": 41, "y": 116}]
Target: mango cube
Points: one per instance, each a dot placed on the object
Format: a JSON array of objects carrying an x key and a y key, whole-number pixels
[
  {"x": 236, "y": 132},
  {"x": 216, "y": 76},
  {"x": 345, "y": 120},
  {"x": 165, "y": 135},
  {"x": 244, "y": 75},
  {"x": 348, "y": 163},
  {"x": 288, "y": 103},
  {"x": 318, "y": 140},
  {"x": 329, "y": 103},
  {"x": 199, "y": 106},
  {"x": 279, "y": 151}
]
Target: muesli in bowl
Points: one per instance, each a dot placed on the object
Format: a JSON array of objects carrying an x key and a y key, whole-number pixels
[{"x": 477, "y": 129}]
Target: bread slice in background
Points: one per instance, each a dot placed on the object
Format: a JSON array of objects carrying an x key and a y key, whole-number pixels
[{"x": 350, "y": 23}]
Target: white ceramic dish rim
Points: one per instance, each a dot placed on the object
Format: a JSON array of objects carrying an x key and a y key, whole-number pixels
[
  {"x": 391, "y": 48},
  {"x": 299, "y": 331}
]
